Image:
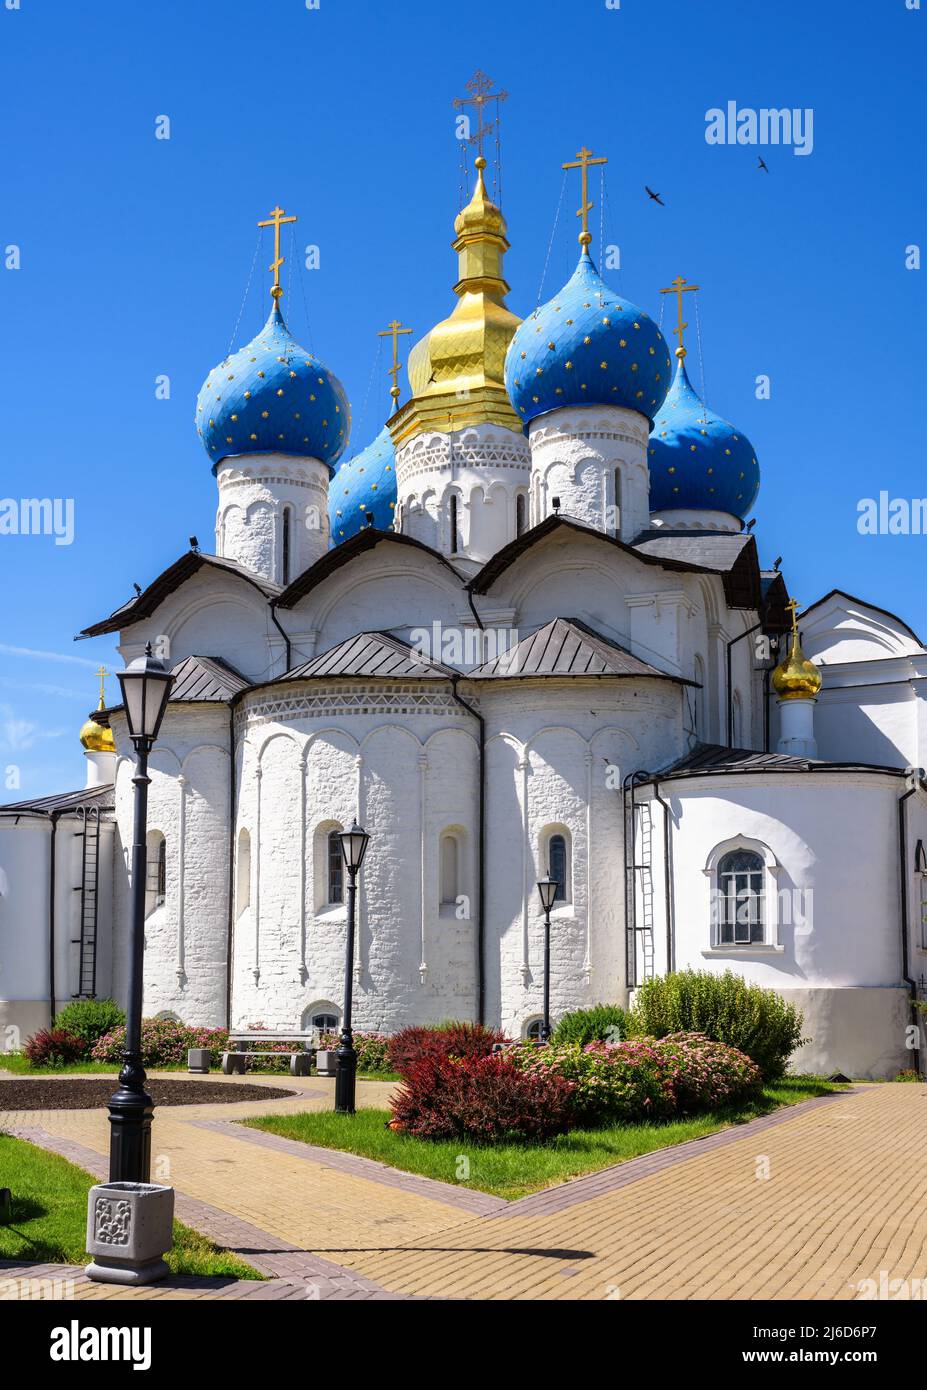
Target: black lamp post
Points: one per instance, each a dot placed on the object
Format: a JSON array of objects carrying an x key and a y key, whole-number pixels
[
  {"x": 146, "y": 688},
  {"x": 354, "y": 844},
  {"x": 547, "y": 891}
]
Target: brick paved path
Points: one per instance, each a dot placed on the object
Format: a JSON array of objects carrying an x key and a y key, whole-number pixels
[{"x": 804, "y": 1203}]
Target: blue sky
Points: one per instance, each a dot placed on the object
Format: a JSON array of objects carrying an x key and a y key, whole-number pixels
[{"x": 135, "y": 254}]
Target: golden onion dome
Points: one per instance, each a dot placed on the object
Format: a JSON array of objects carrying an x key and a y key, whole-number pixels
[
  {"x": 97, "y": 738},
  {"x": 456, "y": 372},
  {"x": 796, "y": 678}
]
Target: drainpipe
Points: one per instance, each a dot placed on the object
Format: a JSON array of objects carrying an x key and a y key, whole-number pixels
[
  {"x": 276, "y": 623},
  {"x": 915, "y": 776},
  {"x": 667, "y": 880},
  {"x": 231, "y": 874},
  {"x": 51, "y": 919},
  {"x": 729, "y": 705},
  {"x": 481, "y": 840}
]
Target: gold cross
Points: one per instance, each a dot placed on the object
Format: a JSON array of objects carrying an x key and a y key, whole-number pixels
[
  {"x": 102, "y": 674},
  {"x": 480, "y": 87},
  {"x": 793, "y": 606},
  {"x": 276, "y": 220},
  {"x": 394, "y": 331},
  {"x": 582, "y": 161},
  {"x": 679, "y": 288}
]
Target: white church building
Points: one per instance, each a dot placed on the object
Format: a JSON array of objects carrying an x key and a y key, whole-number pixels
[{"x": 526, "y": 629}]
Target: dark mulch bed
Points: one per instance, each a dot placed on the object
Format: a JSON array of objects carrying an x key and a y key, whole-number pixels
[{"x": 76, "y": 1093}]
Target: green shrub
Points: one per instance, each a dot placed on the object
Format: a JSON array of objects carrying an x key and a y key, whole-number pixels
[
  {"x": 725, "y": 1009},
  {"x": 54, "y": 1047},
  {"x": 602, "y": 1023},
  {"x": 89, "y": 1019}
]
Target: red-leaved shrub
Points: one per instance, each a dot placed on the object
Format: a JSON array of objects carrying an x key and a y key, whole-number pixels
[
  {"x": 483, "y": 1099},
  {"x": 54, "y": 1047},
  {"x": 412, "y": 1045}
]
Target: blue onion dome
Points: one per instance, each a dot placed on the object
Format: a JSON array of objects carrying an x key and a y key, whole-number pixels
[
  {"x": 697, "y": 460},
  {"x": 587, "y": 347},
  {"x": 362, "y": 484},
  {"x": 273, "y": 397}
]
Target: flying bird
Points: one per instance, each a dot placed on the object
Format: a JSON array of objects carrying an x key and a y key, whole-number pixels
[
  {"x": 763, "y": 164},
  {"x": 655, "y": 196}
]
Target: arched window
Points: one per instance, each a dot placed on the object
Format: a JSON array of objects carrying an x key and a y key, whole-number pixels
[
  {"x": 326, "y": 1023},
  {"x": 617, "y": 502},
  {"x": 156, "y": 871},
  {"x": 335, "y": 868},
  {"x": 521, "y": 513},
  {"x": 322, "y": 1017},
  {"x": 741, "y": 898},
  {"x": 243, "y": 873},
  {"x": 532, "y": 1029},
  {"x": 287, "y": 523},
  {"x": 449, "y": 869},
  {"x": 557, "y": 864},
  {"x": 453, "y": 523}
]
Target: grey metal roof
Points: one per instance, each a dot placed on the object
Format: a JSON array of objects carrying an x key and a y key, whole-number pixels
[
  {"x": 356, "y": 545},
  {"x": 150, "y": 599},
  {"x": 100, "y": 797},
  {"x": 372, "y": 654},
  {"x": 730, "y": 554},
  {"x": 206, "y": 678},
  {"x": 567, "y": 647},
  {"x": 710, "y": 759}
]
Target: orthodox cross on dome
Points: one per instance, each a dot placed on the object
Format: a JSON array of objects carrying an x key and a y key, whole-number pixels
[
  {"x": 679, "y": 288},
  {"x": 583, "y": 161},
  {"x": 276, "y": 220},
  {"x": 481, "y": 93},
  {"x": 394, "y": 331},
  {"x": 792, "y": 607},
  {"x": 102, "y": 674}
]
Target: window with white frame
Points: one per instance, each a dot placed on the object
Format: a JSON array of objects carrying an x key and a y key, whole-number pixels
[
  {"x": 335, "y": 868},
  {"x": 920, "y": 865},
  {"x": 740, "y": 899},
  {"x": 155, "y": 871},
  {"x": 243, "y": 874},
  {"x": 450, "y": 868},
  {"x": 556, "y": 858},
  {"x": 532, "y": 1030}
]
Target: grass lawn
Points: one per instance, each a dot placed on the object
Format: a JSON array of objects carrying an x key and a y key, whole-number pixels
[
  {"x": 513, "y": 1170},
  {"x": 19, "y": 1064},
  {"x": 49, "y": 1217}
]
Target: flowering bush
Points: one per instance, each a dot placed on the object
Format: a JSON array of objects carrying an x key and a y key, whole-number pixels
[
  {"x": 644, "y": 1078},
  {"x": 484, "y": 1099},
  {"x": 412, "y": 1045},
  {"x": 54, "y": 1047},
  {"x": 164, "y": 1043},
  {"x": 372, "y": 1049}
]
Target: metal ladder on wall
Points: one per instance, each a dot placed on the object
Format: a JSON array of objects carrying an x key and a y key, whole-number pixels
[
  {"x": 645, "y": 885},
  {"x": 89, "y": 905}
]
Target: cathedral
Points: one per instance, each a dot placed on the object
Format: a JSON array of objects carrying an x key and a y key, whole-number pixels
[{"x": 524, "y": 630}]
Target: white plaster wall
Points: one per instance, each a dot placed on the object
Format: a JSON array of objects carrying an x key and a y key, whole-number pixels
[
  {"x": 188, "y": 802},
  {"x": 253, "y": 493},
  {"x": 24, "y": 866},
  {"x": 485, "y": 465},
  {"x": 316, "y": 758},
  {"x": 574, "y": 454}
]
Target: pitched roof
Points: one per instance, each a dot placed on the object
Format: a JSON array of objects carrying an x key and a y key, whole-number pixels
[
  {"x": 732, "y": 554},
  {"x": 101, "y": 797},
  {"x": 567, "y": 647},
  {"x": 863, "y": 603},
  {"x": 342, "y": 554},
  {"x": 710, "y": 759},
  {"x": 372, "y": 654},
  {"x": 150, "y": 599},
  {"x": 206, "y": 678}
]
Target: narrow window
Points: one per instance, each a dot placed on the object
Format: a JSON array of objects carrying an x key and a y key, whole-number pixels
[
  {"x": 335, "y": 868},
  {"x": 453, "y": 510},
  {"x": 155, "y": 871},
  {"x": 617, "y": 512},
  {"x": 741, "y": 899},
  {"x": 521, "y": 513},
  {"x": 287, "y": 520},
  {"x": 557, "y": 865},
  {"x": 448, "y": 869},
  {"x": 243, "y": 876}
]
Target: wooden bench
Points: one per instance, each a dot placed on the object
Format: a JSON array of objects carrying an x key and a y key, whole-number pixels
[{"x": 235, "y": 1060}]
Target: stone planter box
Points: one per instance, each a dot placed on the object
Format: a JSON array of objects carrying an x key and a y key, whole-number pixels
[
  {"x": 198, "y": 1059},
  {"x": 325, "y": 1060},
  {"x": 130, "y": 1226}
]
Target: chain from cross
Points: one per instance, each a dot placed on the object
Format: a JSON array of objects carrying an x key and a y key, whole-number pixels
[
  {"x": 276, "y": 220},
  {"x": 394, "y": 331},
  {"x": 679, "y": 288},
  {"x": 583, "y": 161},
  {"x": 480, "y": 87}
]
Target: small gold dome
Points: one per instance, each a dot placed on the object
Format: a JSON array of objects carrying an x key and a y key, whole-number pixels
[
  {"x": 796, "y": 678},
  {"x": 97, "y": 738}
]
